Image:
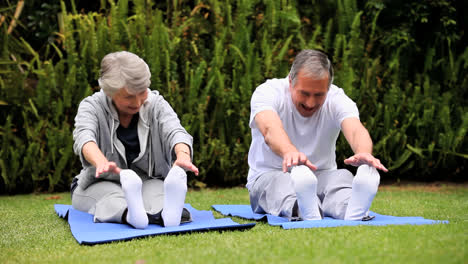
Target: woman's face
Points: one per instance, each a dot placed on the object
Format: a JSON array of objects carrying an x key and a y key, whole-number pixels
[{"x": 128, "y": 103}]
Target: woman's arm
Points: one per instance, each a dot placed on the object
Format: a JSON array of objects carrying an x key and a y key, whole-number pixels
[
  {"x": 183, "y": 159},
  {"x": 93, "y": 155},
  {"x": 174, "y": 136}
]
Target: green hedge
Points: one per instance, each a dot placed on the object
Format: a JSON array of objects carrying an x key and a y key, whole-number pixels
[{"x": 206, "y": 59}]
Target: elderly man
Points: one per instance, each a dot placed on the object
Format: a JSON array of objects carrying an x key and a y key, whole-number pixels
[{"x": 295, "y": 123}]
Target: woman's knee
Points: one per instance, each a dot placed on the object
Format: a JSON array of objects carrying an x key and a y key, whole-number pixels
[
  {"x": 86, "y": 199},
  {"x": 153, "y": 195}
]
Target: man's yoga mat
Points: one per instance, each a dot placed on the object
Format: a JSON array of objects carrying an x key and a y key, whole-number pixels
[
  {"x": 87, "y": 232},
  {"x": 245, "y": 211}
]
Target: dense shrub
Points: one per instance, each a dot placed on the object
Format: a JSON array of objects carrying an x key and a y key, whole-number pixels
[{"x": 404, "y": 64}]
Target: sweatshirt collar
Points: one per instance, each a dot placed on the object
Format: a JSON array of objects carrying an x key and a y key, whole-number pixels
[{"x": 144, "y": 110}]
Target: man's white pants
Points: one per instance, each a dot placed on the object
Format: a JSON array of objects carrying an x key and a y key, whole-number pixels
[{"x": 273, "y": 193}]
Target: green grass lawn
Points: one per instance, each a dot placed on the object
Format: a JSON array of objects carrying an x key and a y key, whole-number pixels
[{"x": 31, "y": 232}]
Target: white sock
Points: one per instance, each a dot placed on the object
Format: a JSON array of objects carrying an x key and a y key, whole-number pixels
[
  {"x": 305, "y": 186},
  {"x": 365, "y": 185},
  {"x": 175, "y": 188},
  {"x": 131, "y": 186}
]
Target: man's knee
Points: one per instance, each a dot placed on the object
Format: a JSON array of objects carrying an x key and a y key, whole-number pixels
[
  {"x": 367, "y": 178},
  {"x": 272, "y": 193},
  {"x": 303, "y": 178}
]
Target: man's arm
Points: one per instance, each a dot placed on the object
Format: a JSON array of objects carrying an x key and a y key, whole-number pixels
[
  {"x": 360, "y": 141},
  {"x": 271, "y": 127}
]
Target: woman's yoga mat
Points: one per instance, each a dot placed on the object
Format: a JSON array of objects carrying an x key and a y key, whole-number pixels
[
  {"x": 245, "y": 211},
  {"x": 87, "y": 232}
]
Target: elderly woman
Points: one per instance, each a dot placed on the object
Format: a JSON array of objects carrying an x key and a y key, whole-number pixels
[{"x": 133, "y": 149}]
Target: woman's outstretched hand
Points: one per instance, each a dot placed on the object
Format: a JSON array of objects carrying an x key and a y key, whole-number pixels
[
  {"x": 107, "y": 166},
  {"x": 184, "y": 161}
]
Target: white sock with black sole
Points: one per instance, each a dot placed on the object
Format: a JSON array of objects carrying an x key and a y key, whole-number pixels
[
  {"x": 175, "y": 188},
  {"x": 365, "y": 185},
  {"x": 305, "y": 186},
  {"x": 131, "y": 186}
]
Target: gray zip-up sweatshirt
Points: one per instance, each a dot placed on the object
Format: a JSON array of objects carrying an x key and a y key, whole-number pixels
[{"x": 159, "y": 130}]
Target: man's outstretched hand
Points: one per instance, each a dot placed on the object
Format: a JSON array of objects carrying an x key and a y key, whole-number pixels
[
  {"x": 294, "y": 158},
  {"x": 365, "y": 158}
]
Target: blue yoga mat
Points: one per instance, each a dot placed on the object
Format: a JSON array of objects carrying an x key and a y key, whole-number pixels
[
  {"x": 245, "y": 211},
  {"x": 87, "y": 232}
]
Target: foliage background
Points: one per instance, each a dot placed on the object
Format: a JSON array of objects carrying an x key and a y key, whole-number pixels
[{"x": 405, "y": 63}]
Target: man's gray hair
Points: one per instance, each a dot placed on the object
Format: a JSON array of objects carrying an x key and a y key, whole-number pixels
[
  {"x": 124, "y": 69},
  {"x": 314, "y": 63}
]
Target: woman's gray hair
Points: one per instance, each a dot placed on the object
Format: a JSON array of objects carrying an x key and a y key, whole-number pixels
[
  {"x": 314, "y": 63},
  {"x": 123, "y": 69}
]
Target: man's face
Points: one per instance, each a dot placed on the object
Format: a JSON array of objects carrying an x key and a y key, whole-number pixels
[
  {"x": 129, "y": 103},
  {"x": 308, "y": 93}
]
